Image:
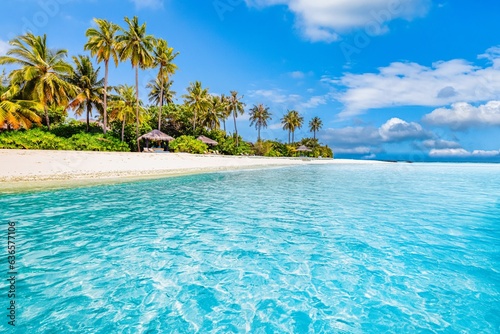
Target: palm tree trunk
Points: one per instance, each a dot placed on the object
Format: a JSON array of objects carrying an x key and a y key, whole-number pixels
[
  {"x": 258, "y": 130},
  {"x": 224, "y": 125},
  {"x": 314, "y": 134},
  {"x": 89, "y": 109},
  {"x": 161, "y": 103},
  {"x": 293, "y": 136},
  {"x": 235, "y": 128},
  {"x": 105, "y": 97},
  {"x": 289, "y": 137},
  {"x": 123, "y": 127},
  {"x": 46, "y": 110},
  {"x": 137, "y": 107}
]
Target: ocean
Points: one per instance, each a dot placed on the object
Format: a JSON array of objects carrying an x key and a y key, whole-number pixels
[{"x": 399, "y": 248}]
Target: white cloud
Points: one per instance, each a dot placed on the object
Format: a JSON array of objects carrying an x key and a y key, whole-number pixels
[
  {"x": 396, "y": 130},
  {"x": 297, "y": 75},
  {"x": 4, "y": 47},
  {"x": 440, "y": 144},
  {"x": 151, "y": 4},
  {"x": 462, "y": 153},
  {"x": 411, "y": 84},
  {"x": 355, "y": 150},
  {"x": 277, "y": 96},
  {"x": 462, "y": 115},
  {"x": 325, "y": 20}
]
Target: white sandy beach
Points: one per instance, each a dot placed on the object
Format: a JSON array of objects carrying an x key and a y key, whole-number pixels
[{"x": 31, "y": 168}]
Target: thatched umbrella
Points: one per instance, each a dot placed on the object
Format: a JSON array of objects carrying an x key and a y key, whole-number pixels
[
  {"x": 155, "y": 135},
  {"x": 303, "y": 148},
  {"x": 207, "y": 140}
]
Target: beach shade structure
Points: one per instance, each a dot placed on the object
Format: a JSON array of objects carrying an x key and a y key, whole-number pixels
[
  {"x": 207, "y": 140},
  {"x": 303, "y": 148},
  {"x": 155, "y": 136}
]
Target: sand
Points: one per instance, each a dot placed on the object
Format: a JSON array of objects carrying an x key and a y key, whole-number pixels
[{"x": 32, "y": 169}]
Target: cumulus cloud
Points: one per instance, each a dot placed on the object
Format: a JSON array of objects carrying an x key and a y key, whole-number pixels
[
  {"x": 462, "y": 115},
  {"x": 297, "y": 75},
  {"x": 412, "y": 84},
  {"x": 322, "y": 20},
  {"x": 151, "y": 4},
  {"x": 396, "y": 130},
  {"x": 462, "y": 153},
  {"x": 276, "y": 96}
]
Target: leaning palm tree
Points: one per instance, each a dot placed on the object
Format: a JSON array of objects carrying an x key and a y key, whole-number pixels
[
  {"x": 102, "y": 44},
  {"x": 16, "y": 113},
  {"x": 163, "y": 59},
  {"x": 236, "y": 107},
  {"x": 198, "y": 100},
  {"x": 259, "y": 115},
  {"x": 135, "y": 45},
  {"x": 43, "y": 72},
  {"x": 122, "y": 106},
  {"x": 315, "y": 124},
  {"x": 91, "y": 87}
]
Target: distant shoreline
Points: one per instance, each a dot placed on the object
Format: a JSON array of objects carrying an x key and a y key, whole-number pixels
[{"x": 24, "y": 170}]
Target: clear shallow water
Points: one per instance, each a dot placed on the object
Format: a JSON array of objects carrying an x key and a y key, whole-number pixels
[{"x": 323, "y": 249}]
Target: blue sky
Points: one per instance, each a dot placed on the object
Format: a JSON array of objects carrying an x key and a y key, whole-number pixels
[{"x": 391, "y": 79}]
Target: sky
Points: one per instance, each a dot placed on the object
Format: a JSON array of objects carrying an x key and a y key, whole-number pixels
[{"x": 415, "y": 80}]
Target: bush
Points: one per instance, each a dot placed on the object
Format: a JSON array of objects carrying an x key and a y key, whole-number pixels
[
  {"x": 38, "y": 139},
  {"x": 188, "y": 144}
]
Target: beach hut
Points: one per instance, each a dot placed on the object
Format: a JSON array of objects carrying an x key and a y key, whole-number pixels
[
  {"x": 302, "y": 149},
  {"x": 155, "y": 136},
  {"x": 207, "y": 140}
]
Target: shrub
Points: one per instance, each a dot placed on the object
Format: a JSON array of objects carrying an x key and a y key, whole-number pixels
[
  {"x": 97, "y": 142},
  {"x": 188, "y": 144}
]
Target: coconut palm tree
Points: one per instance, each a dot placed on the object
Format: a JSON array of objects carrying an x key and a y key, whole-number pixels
[
  {"x": 16, "y": 113},
  {"x": 155, "y": 91},
  {"x": 91, "y": 87},
  {"x": 122, "y": 105},
  {"x": 198, "y": 100},
  {"x": 236, "y": 107},
  {"x": 135, "y": 45},
  {"x": 163, "y": 59},
  {"x": 315, "y": 124},
  {"x": 215, "y": 112},
  {"x": 292, "y": 121},
  {"x": 259, "y": 115},
  {"x": 227, "y": 110},
  {"x": 102, "y": 44},
  {"x": 43, "y": 72}
]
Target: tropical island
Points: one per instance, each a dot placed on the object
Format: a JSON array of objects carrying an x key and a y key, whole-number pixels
[{"x": 43, "y": 87}]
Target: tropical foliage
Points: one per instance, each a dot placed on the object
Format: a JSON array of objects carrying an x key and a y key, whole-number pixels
[{"x": 43, "y": 86}]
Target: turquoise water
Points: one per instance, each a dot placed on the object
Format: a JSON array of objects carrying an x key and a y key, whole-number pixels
[{"x": 322, "y": 249}]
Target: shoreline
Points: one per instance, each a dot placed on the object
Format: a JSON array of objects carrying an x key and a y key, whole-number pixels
[{"x": 25, "y": 170}]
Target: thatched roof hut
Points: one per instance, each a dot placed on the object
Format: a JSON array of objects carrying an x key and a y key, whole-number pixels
[
  {"x": 207, "y": 140},
  {"x": 303, "y": 148},
  {"x": 156, "y": 135}
]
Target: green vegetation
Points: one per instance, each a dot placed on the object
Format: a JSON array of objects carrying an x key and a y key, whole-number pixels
[
  {"x": 188, "y": 144},
  {"x": 36, "y": 96}
]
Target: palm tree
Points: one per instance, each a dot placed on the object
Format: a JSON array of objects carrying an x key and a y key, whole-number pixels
[
  {"x": 87, "y": 79},
  {"x": 259, "y": 115},
  {"x": 165, "y": 92},
  {"x": 102, "y": 44},
  {"x": 43, "y": 72},
  {"x": 163, "y": 56},
  {"x": 227, "y": 110},
  {"x": 16, "y": 113},
  {"x": 122, "y": 105},
  {"x": 236, "y": 107},
  {"x": 315, "y": 124},
  {"x": 292, "y": 121},
  {"x": 215, "y": 112},
  {"x": 136, "y": 46},
  {"x": 197, "y": 99}
]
